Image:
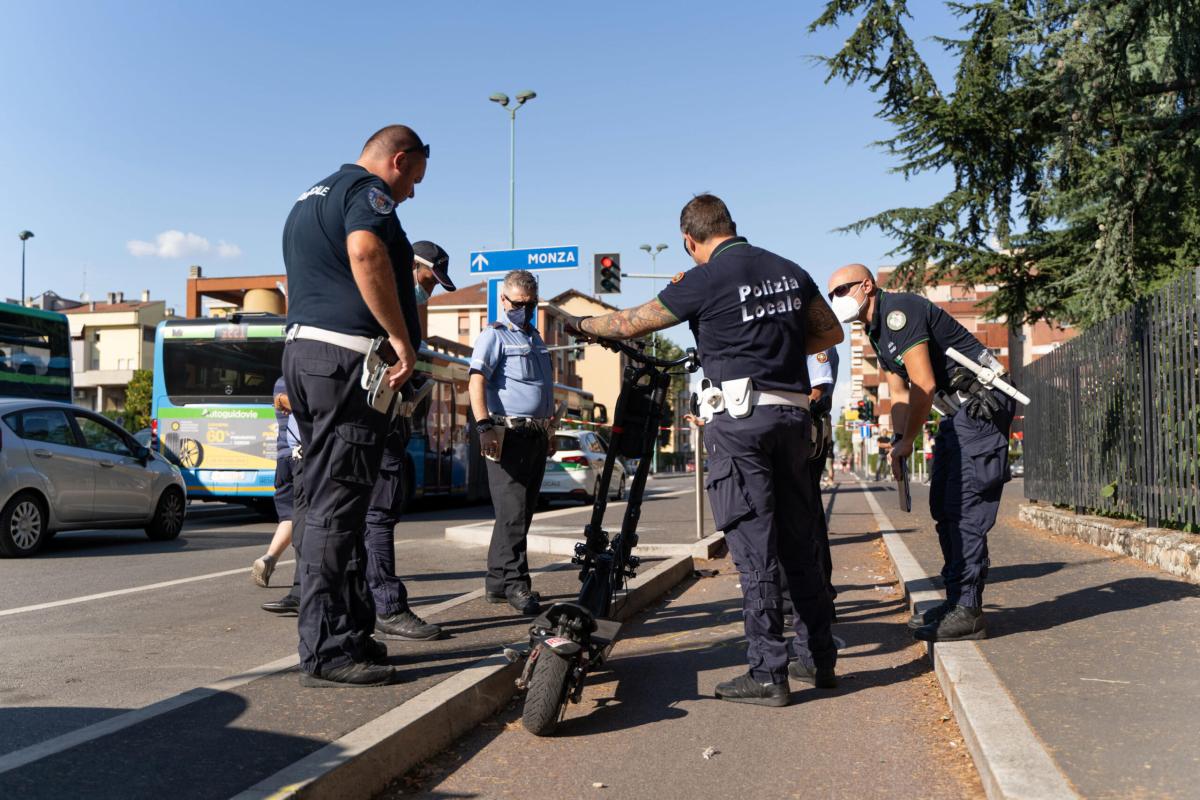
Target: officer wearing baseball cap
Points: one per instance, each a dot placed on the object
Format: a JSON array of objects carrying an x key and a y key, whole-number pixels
[
  {"x": 756, "y": 317},
  {"x": 910, "y": 336}
]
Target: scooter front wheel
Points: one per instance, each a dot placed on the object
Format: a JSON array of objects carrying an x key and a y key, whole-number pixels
[{"x": 547, "y": 693}]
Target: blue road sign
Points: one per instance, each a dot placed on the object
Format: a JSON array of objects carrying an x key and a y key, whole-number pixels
[
  {"x": 534, "y": 258},
  {"x": 865, "y": 432}
]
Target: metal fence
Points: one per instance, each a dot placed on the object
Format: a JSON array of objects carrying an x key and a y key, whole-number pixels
[{"x": 1114, "y": 422}]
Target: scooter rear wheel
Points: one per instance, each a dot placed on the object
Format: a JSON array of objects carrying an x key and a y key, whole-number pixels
[{"x": 547, "y": 693}]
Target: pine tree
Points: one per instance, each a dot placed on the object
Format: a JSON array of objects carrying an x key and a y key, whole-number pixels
[{"x": 1073, "y": 137}]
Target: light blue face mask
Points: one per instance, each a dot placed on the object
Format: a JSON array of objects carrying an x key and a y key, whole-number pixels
[{"x": 422, "y": 295}]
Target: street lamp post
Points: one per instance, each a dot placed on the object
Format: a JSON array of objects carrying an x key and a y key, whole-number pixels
[
  {"x": 653, "y": 253},
  {"x": 24, "y": 236},
  {"x": 522, "y": 98}
]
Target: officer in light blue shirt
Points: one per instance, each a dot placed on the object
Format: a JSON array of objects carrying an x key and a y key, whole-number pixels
[{"x": 512, "y": 398}]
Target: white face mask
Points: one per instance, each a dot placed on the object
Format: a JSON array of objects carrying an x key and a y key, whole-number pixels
[{"x": 845, "y": 309}]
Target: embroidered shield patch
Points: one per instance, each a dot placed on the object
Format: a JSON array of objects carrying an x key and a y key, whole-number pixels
[
  {"x": 678, "y": 277},
  {"x": 380, "y": 202}
]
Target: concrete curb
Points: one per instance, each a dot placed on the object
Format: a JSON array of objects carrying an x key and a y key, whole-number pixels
[
  {"x": 364, "y": 761},
  {"x": 1171, "y": 551},
  {"x": 1012, "y": 762},
  {"x": 480, "y": 533}
]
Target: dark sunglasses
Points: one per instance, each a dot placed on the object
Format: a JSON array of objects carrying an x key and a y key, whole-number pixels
[
  {"x": 424, "y": 148},
  {"x": 843, "y": 290},
  {"x": 531, "y": 304}
]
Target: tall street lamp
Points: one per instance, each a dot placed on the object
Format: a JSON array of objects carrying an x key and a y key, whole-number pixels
[
  {"x": 24, "y": 236},
  {"x": 522, "y": 98}
]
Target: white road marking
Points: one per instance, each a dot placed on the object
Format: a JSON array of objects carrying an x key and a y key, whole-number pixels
[{"x": 131, "y": 590}]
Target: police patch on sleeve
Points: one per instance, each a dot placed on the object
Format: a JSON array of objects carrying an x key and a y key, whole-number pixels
[
  {"x": 822, "y": 357},
  {"x": 382, "y": 204},
  {"x": 678, "y": 277},
  {"x": 896, "y": 320}
]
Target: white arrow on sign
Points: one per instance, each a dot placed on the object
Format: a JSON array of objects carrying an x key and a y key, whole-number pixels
[{"x": 480, "y": 262}]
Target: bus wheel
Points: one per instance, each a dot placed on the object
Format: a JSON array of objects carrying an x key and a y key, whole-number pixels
[
  {"x": 23, "y": 524},
  {"x": 168, "y": 516}
]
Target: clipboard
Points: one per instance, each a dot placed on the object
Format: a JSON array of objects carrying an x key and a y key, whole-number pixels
[{"x": 902, "y": 488}]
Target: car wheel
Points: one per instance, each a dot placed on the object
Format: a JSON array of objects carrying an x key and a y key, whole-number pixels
[
  {"x": 23, "y": 526},
  {"x": 168, "y": 516},
  {"x": 621, "y": 489}
]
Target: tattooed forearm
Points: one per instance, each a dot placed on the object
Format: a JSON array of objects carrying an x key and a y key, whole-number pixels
[
  {"x": 632, "y": 322},
  {"x": 822, "y": 329}
]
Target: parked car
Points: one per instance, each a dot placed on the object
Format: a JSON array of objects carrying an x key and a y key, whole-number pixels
[
  {"x": 65, "y": 468},
  {"x": 1017, "y": 468},
  {"x": 574, "y": 470}
]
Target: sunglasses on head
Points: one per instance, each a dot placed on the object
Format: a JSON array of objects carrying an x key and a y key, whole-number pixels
[
  {"x": 423, "y": 148},
  {"x": 843, "y": 290}
]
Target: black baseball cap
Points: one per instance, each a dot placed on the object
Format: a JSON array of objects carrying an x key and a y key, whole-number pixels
[{"x": 431, "y": 255}]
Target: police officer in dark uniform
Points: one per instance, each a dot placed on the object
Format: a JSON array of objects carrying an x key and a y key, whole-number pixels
[
  {"x": 910, "y": 336},
  {"x": 349, "y": 266},
  {"x": 755, "y": 316}
]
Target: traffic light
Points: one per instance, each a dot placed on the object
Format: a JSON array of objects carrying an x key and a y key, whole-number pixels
[
  {"x": 871, "y": 410},
  {"x": 607, "y": 272},
  {"x": 862, "y": 411}
]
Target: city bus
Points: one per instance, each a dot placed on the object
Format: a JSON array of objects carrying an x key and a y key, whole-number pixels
[
  {"x": 212, "y": 412},
  {"x": 35, "y": 354}
]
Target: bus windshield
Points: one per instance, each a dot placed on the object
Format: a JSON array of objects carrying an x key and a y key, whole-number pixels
[
  {"x": 35, "y": 354},
  {"x": 215, "y": 371}
]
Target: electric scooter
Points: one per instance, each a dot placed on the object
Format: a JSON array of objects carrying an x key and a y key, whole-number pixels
[{"x": 570, "y": 639}]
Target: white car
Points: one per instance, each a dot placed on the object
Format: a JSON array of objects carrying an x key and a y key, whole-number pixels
[
  {"x": 64, "y": 468},
  {"x": 574, "y": 470}
]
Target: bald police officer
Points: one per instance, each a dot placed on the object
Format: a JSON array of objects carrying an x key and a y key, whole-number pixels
[
  {"x": 755, "y": 316},
  {"x": 349, "y": 266},
  {"x": 910, "y": 336}
]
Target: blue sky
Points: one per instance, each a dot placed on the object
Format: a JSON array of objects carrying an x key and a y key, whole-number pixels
[{"x": 123, "y": 121}]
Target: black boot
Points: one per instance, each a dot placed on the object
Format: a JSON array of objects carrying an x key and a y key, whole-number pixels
[
  {"x": 351, "y": 675},
  {"x": 744, "y": 689},
  {"x": 922, "y": 618},
  {"x": 408, "y": 626},
  {"x": 375, "y": 653},
  {"x": 286, "y": 606},
  {"x": 808, "y": 672},
  {"x": 959, "y": 624}
]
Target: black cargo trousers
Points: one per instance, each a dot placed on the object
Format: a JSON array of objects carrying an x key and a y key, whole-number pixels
[
  {"x": 342, "y": 441},
  {"x": 759, "y": 489}
]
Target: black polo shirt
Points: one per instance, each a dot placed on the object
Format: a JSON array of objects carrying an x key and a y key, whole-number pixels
[
  {"x": 903, "y": 320},
  {"x": 321, "y": 288},
  {"x": 746, "y": 308}
]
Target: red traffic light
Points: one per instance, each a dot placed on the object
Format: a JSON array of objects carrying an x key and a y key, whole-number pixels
[{"x": 606, "y": 261}]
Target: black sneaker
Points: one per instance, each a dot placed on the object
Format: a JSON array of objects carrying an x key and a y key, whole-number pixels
[
  {"x": 807, "y": 672},
  {"x": 407, "y": 626},
  {"x": 352, "y": 675},
  {"x": 500, "y": 597},
  {"x": 744, "y": 689},
  {"x": 960, "y": 623},
  {"x": 375, "y": 652},
  {"x": 524, "y": 601},
  {"x": 922, "y": 618},
  {"x": 288, "y": 606}
]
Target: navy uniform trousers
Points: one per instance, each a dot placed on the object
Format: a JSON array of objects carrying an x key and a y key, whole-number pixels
[
  {"x": 759, "y": 486},
  {"x": 383, "y": 513},
  {"x": 970, "y": 467},
  {"x": 515, "y": 481},
  {"x": 342, "y": 439}
]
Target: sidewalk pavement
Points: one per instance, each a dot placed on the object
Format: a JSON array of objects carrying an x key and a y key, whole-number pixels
[
  {"x": 1099, "y": 652},
  {"x": 645, "y": 724}
]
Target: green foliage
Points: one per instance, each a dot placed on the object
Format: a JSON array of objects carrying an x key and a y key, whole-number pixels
[
  {"x": 1073, "y": 137},
  {"x": 138, "y": 395}
]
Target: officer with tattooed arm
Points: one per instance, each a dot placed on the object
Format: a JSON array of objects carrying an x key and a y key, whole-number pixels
[
  {"x": 756, "y": 317},
  {"x": 911, "y": 337}
]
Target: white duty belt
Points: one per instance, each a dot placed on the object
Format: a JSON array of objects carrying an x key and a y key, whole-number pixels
[
  {"x": 738, "y": 397},
  {"x": 359, "y": 344}
]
